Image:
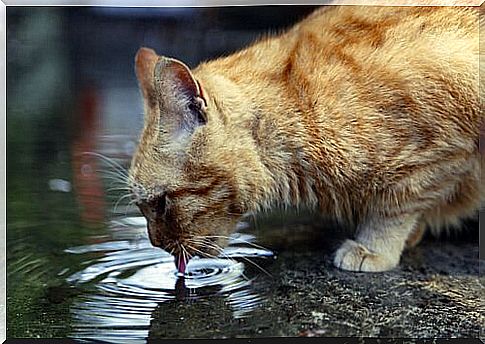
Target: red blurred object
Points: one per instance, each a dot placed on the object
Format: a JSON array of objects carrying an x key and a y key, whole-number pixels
[{"x": 87, "y": 181}]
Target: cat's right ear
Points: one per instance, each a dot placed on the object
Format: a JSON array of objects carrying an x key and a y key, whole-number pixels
[{"x": 145, "y": 61}]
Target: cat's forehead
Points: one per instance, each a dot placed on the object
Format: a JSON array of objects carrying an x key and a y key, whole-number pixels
[
  {"x": 150, "y": 166},
  {"x": 145, "y": 185}
]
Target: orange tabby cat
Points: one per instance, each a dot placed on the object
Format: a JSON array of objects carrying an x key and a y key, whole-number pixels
[{"x": 368, "y": 114}]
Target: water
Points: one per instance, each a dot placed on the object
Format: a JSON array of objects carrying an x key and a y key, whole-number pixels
[
  {"x": 115, "y": 280},
  {"x": 132, "y": 278}
]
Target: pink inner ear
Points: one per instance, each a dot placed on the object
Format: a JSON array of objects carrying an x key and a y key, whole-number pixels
[{"x": 183, "y": 76}]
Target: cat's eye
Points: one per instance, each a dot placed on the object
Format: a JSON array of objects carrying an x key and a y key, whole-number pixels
[{"x": 160, "y": 204}]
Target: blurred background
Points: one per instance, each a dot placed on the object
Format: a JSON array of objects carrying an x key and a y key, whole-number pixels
[{"x": 57, "y": 55}]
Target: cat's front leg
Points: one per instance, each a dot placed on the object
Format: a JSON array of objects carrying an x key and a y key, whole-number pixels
[{"x": 378, "y": 244}]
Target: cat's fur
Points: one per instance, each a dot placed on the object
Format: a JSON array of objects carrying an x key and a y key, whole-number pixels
[{"x": 369, "y": 114}]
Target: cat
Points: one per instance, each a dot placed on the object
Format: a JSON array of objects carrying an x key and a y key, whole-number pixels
[{"x": 370, "y": 115}]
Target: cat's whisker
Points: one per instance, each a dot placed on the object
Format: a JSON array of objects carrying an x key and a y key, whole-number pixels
[
  {"x": 117, "y": 176},
  {"x": 202, "y": 253},
  {"x": 217, "y": 257},
  {"x": 184, "y": 253},
  {"x": 220, "y": 250},
  {"x": 205, "y": 244},
  {"x": 130, "y": 204},
  {"x": 246, "y": 259},
  {"x": 118, "y": 183},
  {"x": 223, "y": 255},
  {"x": 121, "y": 224},
  {"x": 108, "y": 160},
  {"x": 113, "y": 174},
  {"x": 120, "y": 199},
  {"x": 113, "y": 181},
  {"x": 118, "y": 189},
  {"x": 238, "y": 239},
  {"x": 220, "y": 254}
]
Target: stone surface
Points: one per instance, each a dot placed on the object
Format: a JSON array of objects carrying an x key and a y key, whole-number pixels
[{"x": 436, "y": 292}]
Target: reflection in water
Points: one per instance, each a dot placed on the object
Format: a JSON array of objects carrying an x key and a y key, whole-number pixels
[{"x": 131, "y": 278}]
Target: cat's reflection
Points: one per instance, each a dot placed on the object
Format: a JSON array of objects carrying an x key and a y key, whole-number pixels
[
  {"x": 181, "y": 291},
  {"x": 196, "y": 316}
]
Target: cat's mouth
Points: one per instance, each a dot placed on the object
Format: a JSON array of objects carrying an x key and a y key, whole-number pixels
[
  {"x": 184, "y": 253},
  {"x": 181, "y": 262},
  {"x": 183, "y": 248}
]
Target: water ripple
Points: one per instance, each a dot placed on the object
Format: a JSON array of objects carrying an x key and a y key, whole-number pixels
[{"x": 128, "y": 278}]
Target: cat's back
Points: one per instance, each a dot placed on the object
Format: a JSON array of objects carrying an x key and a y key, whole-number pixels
[
  {"x": 361, "y": 41},
  {"x": 379, "y": 19},
  {"x": 386, "y": 70},
  {"x": 385, "y": 93},
  {"x": 362, "y": 38},
  {"x": 383, "y": 26},
  {"x": 363, "y": 74}
]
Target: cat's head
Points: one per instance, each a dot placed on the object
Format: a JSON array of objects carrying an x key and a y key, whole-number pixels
[{"x": 181, "y": 175}]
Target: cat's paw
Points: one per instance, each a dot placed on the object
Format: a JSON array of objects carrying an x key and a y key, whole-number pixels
[{"x": 353, "y": 256}]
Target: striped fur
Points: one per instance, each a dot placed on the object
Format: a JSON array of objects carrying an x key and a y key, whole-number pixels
[{"x": 370, "y": 115}]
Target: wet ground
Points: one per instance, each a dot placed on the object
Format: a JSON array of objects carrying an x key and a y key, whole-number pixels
[{"x": 435, "y": 292}]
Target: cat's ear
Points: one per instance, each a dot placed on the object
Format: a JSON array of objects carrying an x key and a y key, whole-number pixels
[
  {"x": 182, "y": 76},
  {"x": 145, "y": 62},
  {"x": 182, "y": 98}
]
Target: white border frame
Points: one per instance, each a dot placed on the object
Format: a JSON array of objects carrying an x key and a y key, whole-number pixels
[
  {"x": 131, "y": 3},
  {"x": 3, "y": 172},
  {"x": 218, "y": 3}
]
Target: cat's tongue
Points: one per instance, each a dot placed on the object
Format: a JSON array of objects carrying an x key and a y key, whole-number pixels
[{"x": 181, "y": 264}]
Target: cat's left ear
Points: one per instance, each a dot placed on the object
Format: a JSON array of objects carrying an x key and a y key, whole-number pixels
[
  {"x": 145, "y": 61},
  {"x": 183, "y": 96}
]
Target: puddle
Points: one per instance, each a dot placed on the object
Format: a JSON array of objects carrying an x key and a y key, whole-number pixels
[{"x": 129, "y": 279}]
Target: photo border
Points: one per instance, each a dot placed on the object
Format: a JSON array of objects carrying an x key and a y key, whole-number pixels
[{"x": 168, "y": 3}]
